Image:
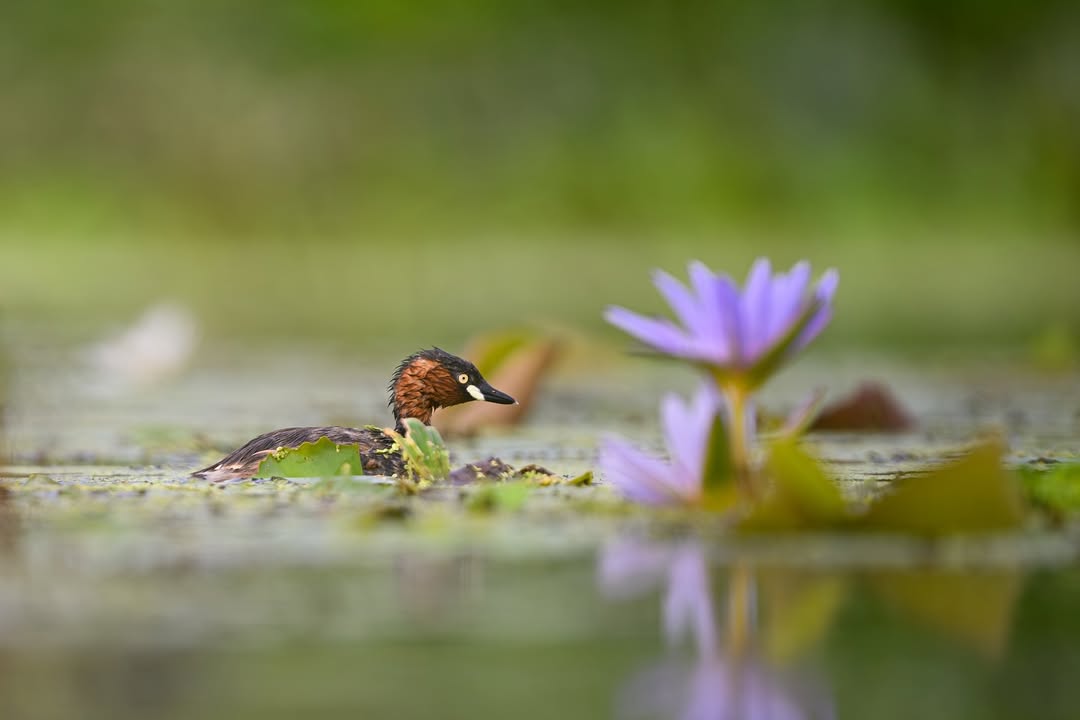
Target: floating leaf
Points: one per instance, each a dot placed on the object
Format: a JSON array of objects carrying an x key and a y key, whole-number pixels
[
  {"x": 505, "y": 497},
  {"x": 973, "y": 607},
  {"x": 871, "y": 408},
  {"x": 973, "y": 494},
  {"x": 319, "y": 459},
  {"x": 1057, "y": 488},
  {"x": 802, "y": 497},
  {"x": 585, "y": 478},
  {"x": 425, "y": 454}
]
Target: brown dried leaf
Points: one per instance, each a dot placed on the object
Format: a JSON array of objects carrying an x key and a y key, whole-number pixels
[{"x": 871, "y": 408}]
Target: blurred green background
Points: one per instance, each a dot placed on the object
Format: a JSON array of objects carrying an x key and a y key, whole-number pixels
[{"x": 382, "y": 173}]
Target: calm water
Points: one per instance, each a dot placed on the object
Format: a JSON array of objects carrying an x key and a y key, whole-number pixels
[
  {"x": 639, "y": 630},
  {"x": 126, "y": 591}
]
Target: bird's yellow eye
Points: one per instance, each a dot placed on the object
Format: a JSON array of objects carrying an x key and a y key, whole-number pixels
[{"x": 463, "y": 378}]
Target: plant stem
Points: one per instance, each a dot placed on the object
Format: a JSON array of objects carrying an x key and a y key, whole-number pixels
[{"x": 741, "y": 435}]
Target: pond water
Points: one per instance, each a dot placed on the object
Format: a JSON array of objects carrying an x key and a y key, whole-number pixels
[{"x": 128, "y": 590}]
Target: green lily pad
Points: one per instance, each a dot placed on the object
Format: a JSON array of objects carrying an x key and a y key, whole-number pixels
[
  {"x": 973, "y": 494},
  {"x": 319, "y": 459},
  {"x": 499, "y": 497},
  {"x": 1056, "y": 489},
  {"x": 802, "y": 497}
]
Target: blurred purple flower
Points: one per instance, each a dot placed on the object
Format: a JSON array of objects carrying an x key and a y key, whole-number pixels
[
  {"x": 716, "y": 689},
  {"x": 687, "y": 429},
  {"x": 747, "y": 332},
  {"x": 722, "y": 682}
]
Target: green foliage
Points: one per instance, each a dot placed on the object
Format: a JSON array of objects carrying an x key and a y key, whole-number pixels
[
  {"x": 803, "y": 496},
  {"x": 719, "y": 468},
  {"x": 425, "y": 453},
  {"x": 974, "y": 494},
  {"x": 496, "y": 497},
  {"x": 1056, "y": 488},
  {"x": 585, "y": 478},
  {"x": 320, "y": 459}
]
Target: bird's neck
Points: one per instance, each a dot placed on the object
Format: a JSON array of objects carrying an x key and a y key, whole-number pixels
[
  {"x": 421, "y": 412},
  {"x": 416, "y": 388}
]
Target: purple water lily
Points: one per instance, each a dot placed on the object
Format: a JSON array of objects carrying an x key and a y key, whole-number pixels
[
  {"x": 740, "y": 336},
  {"x": 647, "y": 479},
  {"x": 743, "y": 333}
]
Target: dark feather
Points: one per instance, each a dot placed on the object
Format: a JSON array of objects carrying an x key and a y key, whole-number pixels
[{"x": 244, "y": 462}]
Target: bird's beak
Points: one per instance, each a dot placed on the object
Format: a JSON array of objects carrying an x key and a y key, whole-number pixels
[{"x": 490, "y": 394}]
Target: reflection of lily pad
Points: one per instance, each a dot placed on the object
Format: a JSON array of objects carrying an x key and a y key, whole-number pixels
[
  {"x": 974, "y": 608},
  {"x": 798, "y": 610},
  {"x": 322, "y": 458}
]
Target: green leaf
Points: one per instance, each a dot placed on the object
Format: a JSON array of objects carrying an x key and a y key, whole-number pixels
[
  {"x": 322, "y": 458},
  {"x": 1056, "y": 489},
  {"x": 585, "y": 478},
  {"x": 973, "y": 494},
  {"x": 425, "y": 454},
  {"x": 506, "y": 497},
  {"x": 719, "y": 471},
  {"x": 802, "y": 497}
]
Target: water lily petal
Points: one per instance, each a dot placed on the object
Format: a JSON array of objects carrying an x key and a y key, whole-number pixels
[
  {"x": 716, "y": 340},
  {"x": 725, "y": 295},
  {"x": 640, "y": 477},
  {"x": 683, "y": 302},
  {"x": 687, "y": 426},
  {"x": 823, "y": 296},
  {"x": 827, "y": 285},
  {"x": 755, "y": 308},
  {"x": 657, "y": 332},
  {"x": 789, "y": 298}
]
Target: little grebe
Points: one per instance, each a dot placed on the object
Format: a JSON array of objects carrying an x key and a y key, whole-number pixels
[{"x": 422, "y": 383}]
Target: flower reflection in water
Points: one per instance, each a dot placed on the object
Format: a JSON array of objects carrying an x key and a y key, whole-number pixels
[{"x": 727, "y": 678}]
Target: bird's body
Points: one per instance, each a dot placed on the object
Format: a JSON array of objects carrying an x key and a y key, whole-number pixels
[
  {"x": 376, "y": 451},
  {"x": 423, "y": 382}
]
